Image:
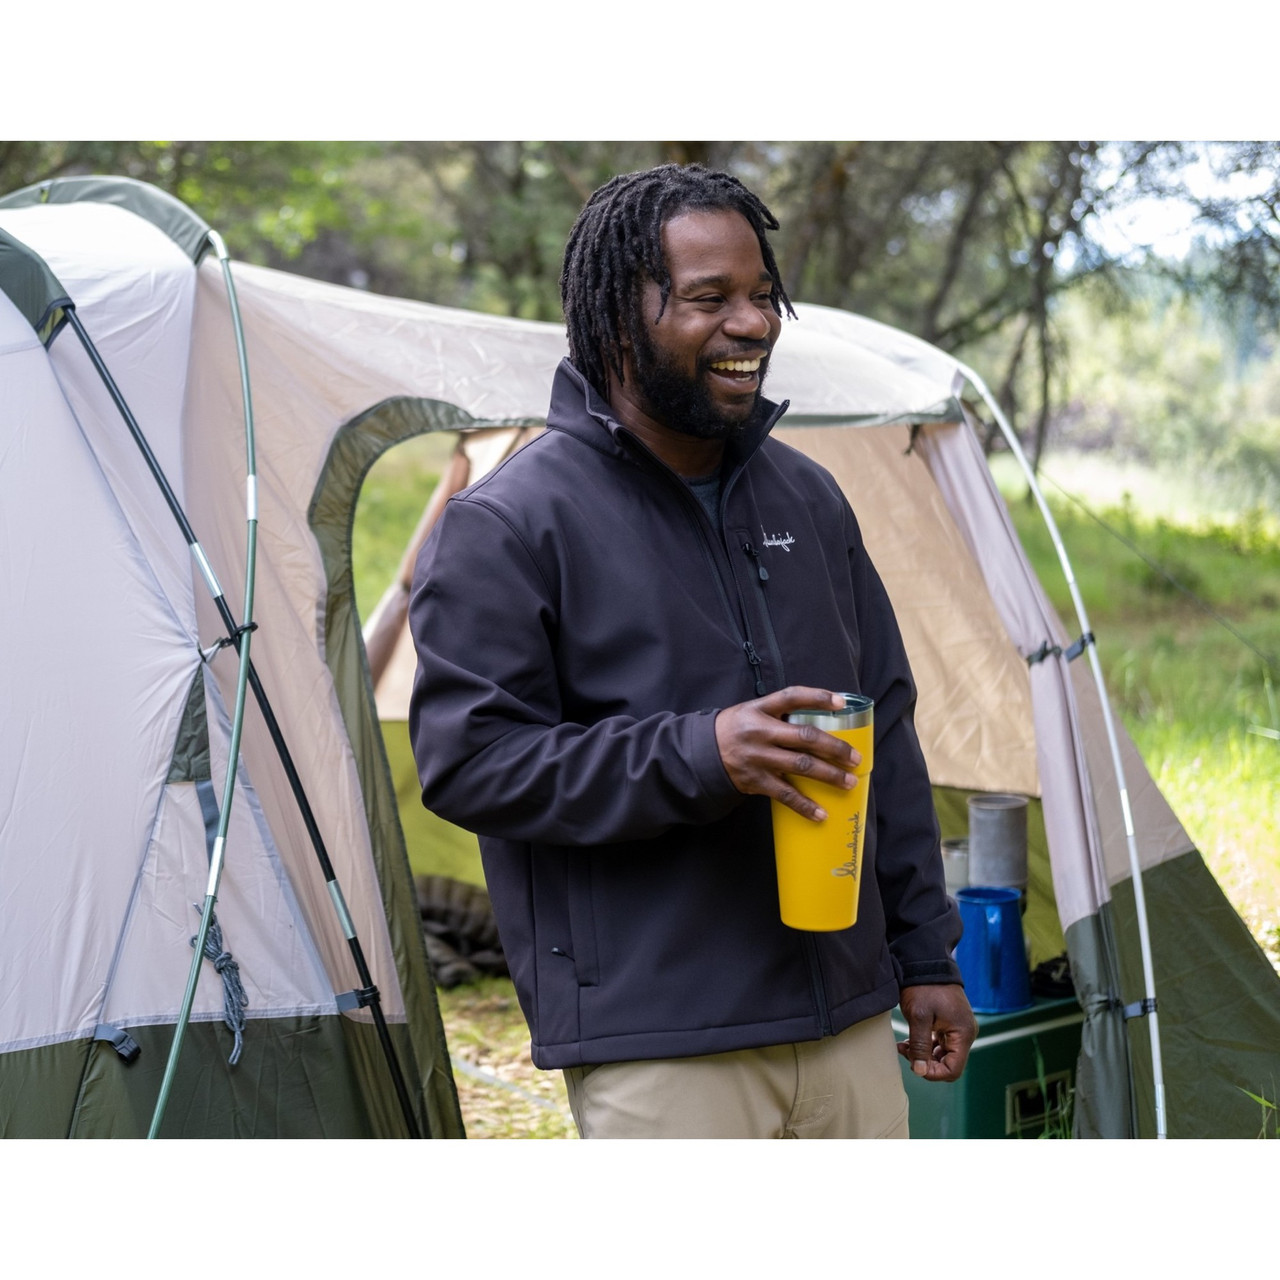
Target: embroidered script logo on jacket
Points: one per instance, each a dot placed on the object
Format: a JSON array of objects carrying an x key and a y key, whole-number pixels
[{"x": 783, "y": 540}]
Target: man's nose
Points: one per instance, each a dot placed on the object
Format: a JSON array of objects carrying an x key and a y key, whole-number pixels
[{"x": 747, "y": 320}]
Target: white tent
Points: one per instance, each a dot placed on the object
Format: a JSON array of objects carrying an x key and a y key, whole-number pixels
[{"x": 115, "y": 693}]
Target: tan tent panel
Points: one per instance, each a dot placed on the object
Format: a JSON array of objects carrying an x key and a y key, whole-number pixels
[{"x": 975, "y": 697}]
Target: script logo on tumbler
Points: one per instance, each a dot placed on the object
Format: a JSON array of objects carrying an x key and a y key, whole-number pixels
[{"x": 850, "y": 868}]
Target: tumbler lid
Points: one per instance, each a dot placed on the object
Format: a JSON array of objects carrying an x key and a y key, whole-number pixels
[{"x": 855, "y": 714}]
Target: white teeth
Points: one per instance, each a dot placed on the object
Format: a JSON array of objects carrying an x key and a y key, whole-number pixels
[{"x": 737, "y": 366}]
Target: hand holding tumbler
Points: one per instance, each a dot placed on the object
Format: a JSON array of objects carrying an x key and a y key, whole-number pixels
[{"x": 820, "y": 863}]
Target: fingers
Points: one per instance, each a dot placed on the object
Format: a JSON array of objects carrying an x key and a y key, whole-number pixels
[
  {"x": 920, "y": 1046},
  {"x": 764, "y": 755},
  {"x": 941, "y": 1064},
  {"x": 812, "y": 746},
  {"x": 940, "y": 1029},
  {"x": 775, "y": 772},
  {"x": 796, "y": 800},
  {"x": 798, "y": 698}
]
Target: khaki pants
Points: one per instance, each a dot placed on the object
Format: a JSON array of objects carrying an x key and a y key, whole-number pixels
[{"x": 845, "y": 1086}]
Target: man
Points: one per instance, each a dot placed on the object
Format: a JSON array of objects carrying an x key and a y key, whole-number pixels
[{"x": 609, "y": 638}]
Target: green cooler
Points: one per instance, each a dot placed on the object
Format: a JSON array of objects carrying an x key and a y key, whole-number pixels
[{"x": 1018, "y": 1082}]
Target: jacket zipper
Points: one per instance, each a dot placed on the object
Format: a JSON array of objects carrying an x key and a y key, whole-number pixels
[
  {"x": 761, "y": 572},
  {"x": 754, "y": 659},
  {"x": 771, "y": 638},
  {"x": 817, "y": 986},
  {"x": 737, "y": 623},
  {"x": 701, "y": 522}
]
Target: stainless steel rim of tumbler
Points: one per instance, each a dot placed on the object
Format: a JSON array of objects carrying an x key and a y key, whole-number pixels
[{"x": 856, "y": 713}]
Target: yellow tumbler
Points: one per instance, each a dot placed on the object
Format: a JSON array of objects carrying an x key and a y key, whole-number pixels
[{"x": 820, "y": 863}]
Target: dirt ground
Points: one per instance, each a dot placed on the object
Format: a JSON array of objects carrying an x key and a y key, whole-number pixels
[{"x": 502, "y": 1094}]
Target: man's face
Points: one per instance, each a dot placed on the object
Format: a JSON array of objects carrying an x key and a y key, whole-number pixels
[{"x": 698, "y": 368}]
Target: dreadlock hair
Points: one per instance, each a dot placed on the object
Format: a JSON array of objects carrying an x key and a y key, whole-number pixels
[{"x": 617, "y": 241}]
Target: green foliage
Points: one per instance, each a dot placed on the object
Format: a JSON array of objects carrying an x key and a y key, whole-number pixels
[
  {"x": 1153, "y": 632},
  {"x": 272, "y": 195},
  {"x": 949, "y": 240},
  {"x": 1163, "y": 382},
  {"x": 1059, "y": 1103},
  {"x": 1270, "y": 1114},
  {"x": 267, "y": 199},
  {"x": 1193, "y": 679},
  {"x": 508, "y": 207}
]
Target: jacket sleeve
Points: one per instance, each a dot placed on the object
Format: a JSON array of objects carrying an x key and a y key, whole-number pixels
[
  {"x": 922, "y": 923},
  {"x": 485, "y": 715}
]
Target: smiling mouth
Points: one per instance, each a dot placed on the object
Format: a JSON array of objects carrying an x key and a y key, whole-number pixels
[{"x": 741, "y": 370}]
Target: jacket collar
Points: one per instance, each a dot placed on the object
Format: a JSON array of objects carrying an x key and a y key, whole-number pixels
[{"x": 578, "y": 409}]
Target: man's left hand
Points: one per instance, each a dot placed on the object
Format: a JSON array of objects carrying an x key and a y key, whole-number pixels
[{"x": 940, "y": 1029}]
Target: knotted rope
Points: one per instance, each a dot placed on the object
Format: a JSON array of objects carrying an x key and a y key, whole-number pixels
[{"x": 234, "y": 999}]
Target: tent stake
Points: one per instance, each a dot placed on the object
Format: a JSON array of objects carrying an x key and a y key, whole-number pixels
[
  {"x": 369, "y": 990},
  {"x": 1148, "y": 1005}
]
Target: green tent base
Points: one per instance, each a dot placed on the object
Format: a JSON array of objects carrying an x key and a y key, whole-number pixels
[{"x": 296, "y": 1079}]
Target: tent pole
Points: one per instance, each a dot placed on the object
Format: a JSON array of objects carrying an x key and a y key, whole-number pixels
[
  {"x": 244, "y": 635},
  {"x": 367, "y": 994},
  {"x": 1135, "y": 867}
]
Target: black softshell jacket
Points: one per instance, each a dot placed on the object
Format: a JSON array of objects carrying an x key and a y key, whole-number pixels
[{"x": 579, "y": 622}]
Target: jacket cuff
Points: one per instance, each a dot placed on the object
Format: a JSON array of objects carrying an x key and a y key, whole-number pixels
[
  {"x": 922, "y": 973},
  {"x": 708, "y": 767}
]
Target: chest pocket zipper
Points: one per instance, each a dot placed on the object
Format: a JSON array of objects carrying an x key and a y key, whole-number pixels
[{"x": 771, "y": 639}]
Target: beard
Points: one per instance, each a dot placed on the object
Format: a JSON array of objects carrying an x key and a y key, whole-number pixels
[{"x": 684, "y": 403}]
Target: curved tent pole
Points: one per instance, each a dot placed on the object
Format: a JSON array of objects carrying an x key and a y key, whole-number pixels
[
  {"x": 243, "y": 634},
  {"x": 1135, "y": 867},
  {"x": 367, "y": 995}
]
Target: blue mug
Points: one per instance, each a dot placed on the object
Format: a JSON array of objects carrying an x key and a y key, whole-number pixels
[{"x": 992, "y": 954}]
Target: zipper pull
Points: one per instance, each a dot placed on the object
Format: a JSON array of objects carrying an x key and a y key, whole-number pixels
[
  {"x": 761, "y": 571},
  {"x": 754, "y": 658}
]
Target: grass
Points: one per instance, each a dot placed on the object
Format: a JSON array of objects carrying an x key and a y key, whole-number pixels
[
  {"x": 501, "y": 1092},
  {"x": 1057, "y": 1106},
  {"x": 1192, "y": 670},
  {"x": 1268, "y": 1114},
  {"x": 391, "y": 501}
]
